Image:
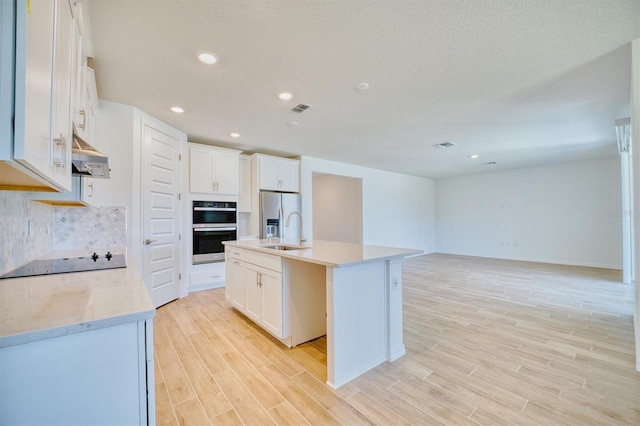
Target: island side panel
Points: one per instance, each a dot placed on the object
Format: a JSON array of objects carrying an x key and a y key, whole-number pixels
[
  {"x": 356, "y": 320},
  {"x": 307, "y": 306},
  {"x": 395, "y": 339}
]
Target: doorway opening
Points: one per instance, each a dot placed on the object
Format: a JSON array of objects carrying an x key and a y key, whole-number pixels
[{"x": 337, "y": 208}]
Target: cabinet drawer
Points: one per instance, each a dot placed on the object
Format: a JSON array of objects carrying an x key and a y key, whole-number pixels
[
  {"x": 207, "y": 277},
  {"x": 268, "y": 261},
  {"x": 207, "y": 273},
  {"x": 235, "y": 253}
]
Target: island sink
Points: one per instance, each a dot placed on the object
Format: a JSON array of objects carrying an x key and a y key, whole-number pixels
[{"x": 284, "y": 247}]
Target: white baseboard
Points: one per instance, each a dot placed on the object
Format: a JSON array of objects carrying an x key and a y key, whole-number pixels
[{"x": 538, "y": 260}]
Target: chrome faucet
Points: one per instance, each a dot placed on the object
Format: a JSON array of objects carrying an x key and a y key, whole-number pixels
[{"x": 302, "y": 240}]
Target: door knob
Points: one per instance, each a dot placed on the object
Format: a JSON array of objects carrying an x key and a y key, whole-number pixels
[{"x": 148, "y": 241}]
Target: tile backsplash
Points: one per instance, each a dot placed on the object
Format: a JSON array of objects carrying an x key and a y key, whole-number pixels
[
  {"x": 29, "y": 230},
  {"x": 25, "y": 229},
  {"x": 89, "y": 228}
]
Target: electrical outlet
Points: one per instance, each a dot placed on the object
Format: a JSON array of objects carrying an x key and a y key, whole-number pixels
[{"x": 396, "y": 283}]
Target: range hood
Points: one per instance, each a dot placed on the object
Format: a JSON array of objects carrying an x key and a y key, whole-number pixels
[{"x": 88, "y": 161}]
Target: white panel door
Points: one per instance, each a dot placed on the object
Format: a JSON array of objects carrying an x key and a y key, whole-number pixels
[{"x": 161, "y": 215}]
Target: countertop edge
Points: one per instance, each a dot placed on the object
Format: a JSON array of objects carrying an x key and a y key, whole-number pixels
[
  {"x": 291, "y": 254},
  {"x": 68, "y": 330}
]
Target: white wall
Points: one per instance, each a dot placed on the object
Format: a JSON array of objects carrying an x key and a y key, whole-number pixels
[
  {"x": 337, "y": 208},
  {"x": 398, "y": 210},
  {"x": 566, "y": 213}
]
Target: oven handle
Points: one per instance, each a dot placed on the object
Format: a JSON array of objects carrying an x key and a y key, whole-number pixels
[
  {"x": 213, "y": 209},
  {"x": 215, "y": 225},
  {"x": 213, "y": 229}
]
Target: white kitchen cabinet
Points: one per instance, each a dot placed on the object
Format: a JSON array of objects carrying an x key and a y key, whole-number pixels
[
  {"x": 277, "y": 174},
  {"x": 213, "y": 170},
  {"x": 234, "y": 280},
  {"x": 255, "y": 288},
  {"x": 244, "y": 198},
  {"x": 206, "y": 276},
  {"x": 272, "y": 302},
  {"x": 85, "y": 117},
  {"x": 252, "y": 276},
  {"x": 95, "y": 377},
  {"x": 237, "y": 284},
  {"x": 39, "y": 154},
  {"x": 264, "y": 298},
  {"x": 77, "y": 197}
]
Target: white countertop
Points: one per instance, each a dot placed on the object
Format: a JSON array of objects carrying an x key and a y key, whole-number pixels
[
  {"x": 47, "y": 306},
  {"x": 329, "y": 253}
]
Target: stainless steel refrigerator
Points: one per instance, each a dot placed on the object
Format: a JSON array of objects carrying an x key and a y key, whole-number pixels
[{"x": 275, "y": 208}]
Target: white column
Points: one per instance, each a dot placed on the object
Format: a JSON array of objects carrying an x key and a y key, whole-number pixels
[{"x": 395, "y": 342}]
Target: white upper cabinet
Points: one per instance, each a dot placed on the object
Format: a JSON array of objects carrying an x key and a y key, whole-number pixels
[
  {"x": 213, "y": 170},
  {"x": 277, "y": 174},
  {"x": 244, "y": 198},
  {"x": 39, "y": 156}
]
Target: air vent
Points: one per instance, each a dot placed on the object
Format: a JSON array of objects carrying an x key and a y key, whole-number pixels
[
  {"x": 445, "y": 145},
  {"x": 300, "y": 108},
  {"x": 490, "y": 163}
]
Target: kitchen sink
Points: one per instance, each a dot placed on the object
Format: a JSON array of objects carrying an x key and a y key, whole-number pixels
[{"x": 284, "y": 247}]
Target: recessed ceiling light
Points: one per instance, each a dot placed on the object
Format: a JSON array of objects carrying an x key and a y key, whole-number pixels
[
  {"x": 445, "y": 145},
  {"x": 292, "y": 123},
  {"x": 234, "y": 135},
  {"x": 474, "y": 156},
  {"x": 177, "y": 109},
  {"x": 207, "y": 58},
  {"x": 362, "y": 86},
  {"x": 285, "y": 96}
]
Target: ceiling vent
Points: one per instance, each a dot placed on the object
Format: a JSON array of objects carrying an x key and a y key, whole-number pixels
[
  {"x": 445, "y": 145},
  {"x": 490, "y": 163},
  {"x": 300, "y": 108}
]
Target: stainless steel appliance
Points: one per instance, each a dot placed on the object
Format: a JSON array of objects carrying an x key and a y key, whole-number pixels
[
  {"x": 213, "y": 223},
  {"x": 275, "y": 208}
]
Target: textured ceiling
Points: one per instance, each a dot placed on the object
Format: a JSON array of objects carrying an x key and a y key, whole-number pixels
[{"x": 519, "y": 82}]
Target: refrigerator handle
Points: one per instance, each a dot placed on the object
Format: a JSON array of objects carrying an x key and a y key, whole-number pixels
[{"x": 281, "y": 222}]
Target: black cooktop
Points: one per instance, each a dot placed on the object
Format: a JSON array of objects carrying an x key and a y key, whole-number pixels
[{"x": 68, "y": 264}]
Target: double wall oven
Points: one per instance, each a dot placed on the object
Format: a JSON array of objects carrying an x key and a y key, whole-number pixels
[{"x": 213, "y": 223}]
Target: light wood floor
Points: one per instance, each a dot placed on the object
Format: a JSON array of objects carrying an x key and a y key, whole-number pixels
[{"x": 488, "y": 342}]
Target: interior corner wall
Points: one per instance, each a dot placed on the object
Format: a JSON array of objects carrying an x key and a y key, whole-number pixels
[
  {"x": 398, "y": 210},
  {"x": 565, "y": 213}
]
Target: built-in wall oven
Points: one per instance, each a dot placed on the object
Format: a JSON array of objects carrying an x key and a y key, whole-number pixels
[{"x": 213, "y": 223}]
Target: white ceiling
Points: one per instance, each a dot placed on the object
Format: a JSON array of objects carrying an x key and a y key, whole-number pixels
[{"x": 520, "y": 82}]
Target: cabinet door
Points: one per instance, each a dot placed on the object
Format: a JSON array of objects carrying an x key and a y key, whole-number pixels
[
  {"x": 64, "y": 61},
  {"x": 237, "y": 281},
  {"x": 254, "y": 292},
  {"x": 288, "y": 172},
  {"x": 226, "y": 173},
  {"x": 34, "y": 84},
  {"x": 272, "y": 301},
  {"x": 268, "y": 173},
  {"x": 200, "y": 171}
]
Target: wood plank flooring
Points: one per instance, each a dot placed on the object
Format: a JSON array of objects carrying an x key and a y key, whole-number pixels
[{"x": 489, "y": 342}]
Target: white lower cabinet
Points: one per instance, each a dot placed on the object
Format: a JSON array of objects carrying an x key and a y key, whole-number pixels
[
  {"x": 206, "y": 275},
  {"x": 103, "y": 376},
  {"x": 255, "y": 287},
  {"x": 237, "y": 288}
]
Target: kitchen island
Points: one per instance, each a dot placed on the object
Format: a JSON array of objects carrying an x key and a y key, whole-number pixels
[
  {"x": 350, "y": 292},
  {"x": 77, "y": 348}
]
